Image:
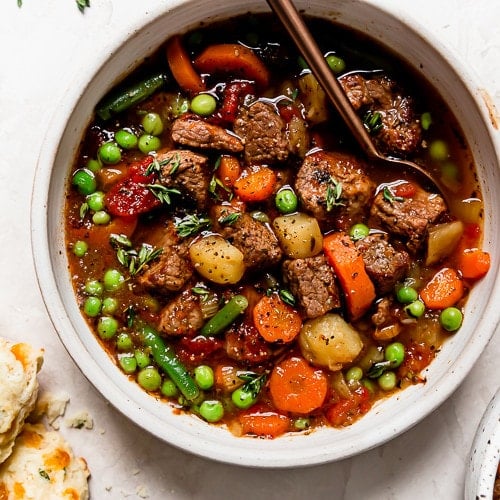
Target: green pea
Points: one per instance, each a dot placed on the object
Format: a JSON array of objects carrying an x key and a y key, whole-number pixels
[
  {"x": 149, "y": 378},
  {"x": 354, "y": 373},
  {"x": 336, "y": 63},
  {"x": 204, "y": 377},
  {"x": 169, "y": 389},
  {"x": 101, "y": 218},
  {"x": 438, "y": 150},
  {"x": 451, "y": 319},
  {"x": 80, "y": 248},
  {"x": 449, "y": 171},
  {"x": 387, "y": 381},
  {"x": 152, "y": 124},
  {"x": 406, "y": 294},
  {"x": 93, "y": 287},
  {"x": 113, "y": 280},
  {"x": 109, "y": 153},
  {"x": 95, "y": 201},
  {"x": 415, "y": 309},
  {"x": 85, "y": 181},
  {"x": 395, "y": 353},
  {"x": 148, "y": 143},
  {"x": 107, "y": 327},
  {"x": 359, "y": 231},
  {"x": 426, "y": 120},
  {"x": 242, "y": 398},
  {"x": 286, "y": 200},
  {"x": 369, "y": 385},
  {"x": 211, "y": 411},
  {"x": 126, "y": 139},
  {"x": 301, "y": 423},
  {"x": 203, "y": 104},
  {"x": 128, "y": 364},
  {"x": 109, "y": 305},
  {"x": 142, "y": 358},
  {"x": 93, "y": 165},
  {"x": 124, "y": 342},
  {"x": 92, "y": 306}
]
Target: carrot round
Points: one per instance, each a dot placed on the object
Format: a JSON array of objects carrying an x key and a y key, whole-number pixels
[
  {"x": 256, "y": 184},
  {"x": 264, "y": 422},
  {"x": 473, "y": 263},
  {"x": 350, "y": 269},
  {"x": 229, "y": 170},
  {"x": 235, "y": 59},
  {"x": 295, "y": 386},
  {"x": 443, "y": 290},
  {"x": 182, "y": 68},
  {"x": 275, "y": 320}
]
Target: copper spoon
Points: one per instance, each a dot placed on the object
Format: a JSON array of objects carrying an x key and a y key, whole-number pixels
[{"x": 303, "y": 39}]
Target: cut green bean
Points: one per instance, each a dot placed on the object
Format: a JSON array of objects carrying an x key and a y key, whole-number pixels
[
  {"x": 167, "y": 360},
  {"x": 119, "y": 100},
  {"x": 225, "y": 316}
]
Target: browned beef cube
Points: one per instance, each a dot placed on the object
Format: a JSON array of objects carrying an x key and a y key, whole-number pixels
[
  {"x": 255, "y": 240},
  {"x": 182, "y": 315},
  {"x": 188, "y": 172},
  {"x": 263, "y": 133},
  {"x": 400, "y": 131},
  {"x": 244, "y": 343},
  {"x": 312, "y": 282},
  {"x": 334, "y": 188},
  {"x": 384, "y": 264},
  {"x": 195, "y": 132},
  {"x": 408, "y": 218}
]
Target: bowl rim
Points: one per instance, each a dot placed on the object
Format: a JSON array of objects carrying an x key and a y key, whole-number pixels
[{"x": 90, "y": 368}]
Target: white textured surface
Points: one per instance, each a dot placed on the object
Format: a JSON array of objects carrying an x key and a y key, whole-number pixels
[{"x": 43, "y": 46}]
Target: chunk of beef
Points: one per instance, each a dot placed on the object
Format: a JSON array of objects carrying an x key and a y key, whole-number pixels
[
  {"x": 400, "y": 133},
  {"x": 384, "y": 264},
  {"x": 244, "y": 343},
  {"x": 172, "y": 269},
  {"x": 255, "y": 240},
  {"x": 186, "y": 171},
  {"x": 182, "y": 315},
  {"x": 192, "y": 131},
  {"x": 386, "y": 320},
  {"x": 312, "y": 282},
  {"x": 334, "y": 188},
  {"x": 408, "y": 218},
  {"x": 263, "y": 133}
]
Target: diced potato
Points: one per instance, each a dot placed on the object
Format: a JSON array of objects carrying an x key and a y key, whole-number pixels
[
  {"x": 217, "y": 260},
  {"x": 329, "y": 341},
  {"x": 442, "y": 240},
  {"x": 299, "y": 235},
  {"x": 314, "y": 99},
  {"x": 298, "y": 136}
]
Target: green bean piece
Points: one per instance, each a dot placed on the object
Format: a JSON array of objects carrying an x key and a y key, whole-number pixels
[
  {"x": 167, "y": 360},
  {"x": 119, "y": 100},
  {"x": 225, "y": 316}
]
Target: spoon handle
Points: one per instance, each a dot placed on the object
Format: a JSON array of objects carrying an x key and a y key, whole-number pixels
[{"x": 300, "y": 34}]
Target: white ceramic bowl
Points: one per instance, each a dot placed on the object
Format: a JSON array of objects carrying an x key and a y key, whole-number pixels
[
  {"x": 388, "y": 418},
  {"x": 485, "y": 454}
]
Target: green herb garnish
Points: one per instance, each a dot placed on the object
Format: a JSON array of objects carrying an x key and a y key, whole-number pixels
[
  {"x": 82, "y": 4},
  {"x": 156, "y": 166},
  {"x": 372, "y": 121},
  {"x": 390, "y": 197},
  {"x": 287, "y": 297},
  {"x": 162, "y": 193},
  {"x": 229, "y": 219},
  {"x": 253, "y": 382},
  {"x": 191, "y": 224},
  {"x": 379, "y": 368},
  {"x": 129, "y": 257},
  {"x": 333, "y": 194}
]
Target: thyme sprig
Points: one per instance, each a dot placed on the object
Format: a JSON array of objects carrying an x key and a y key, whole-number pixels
[
  {"x": 390, "y": 196},
  {"x": 191, "y": 224},
  {"x": 373, "y": 121},
  {"x": 229, "y": 220},
  {"x": 333, "y": 194},
  {"x": 162, "y": 192},
  {"x": 131, "y": 258},
  {"x": 156, "y": 166},
  {"x": 253, "y": 382}
]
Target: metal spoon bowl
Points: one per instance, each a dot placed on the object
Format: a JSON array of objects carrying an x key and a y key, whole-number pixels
[{"x": 287, "y": 13}]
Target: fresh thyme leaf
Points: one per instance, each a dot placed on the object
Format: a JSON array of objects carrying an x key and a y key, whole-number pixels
[
  {"x": 82, "y": 4},
  {"x": 156, "y": 166},
  {"x": 373, "y": 121},
  {"x": 212, "y": 187},
  {"x": 229, "y": 219},
  {"x": 130, "y": 315},
  {"x": 162, "y": 193},
  {"x": 287, "y": 297},
  {"x": 119, "y": 240},
  {"x": 84, "y": 208},
  {"x": 333, "y": 194},
  {"x": 44, "y": 474},
  {"x": 191, "y": 224},
  {"x": 389, "y": 196},
  {"x": 217, "y": 163},
  {"x": 129, "y": 257},
  {"x": 199, "y": 290},
  {"x": 378, "y": 368},
  {"x": 253, "y": 382}
]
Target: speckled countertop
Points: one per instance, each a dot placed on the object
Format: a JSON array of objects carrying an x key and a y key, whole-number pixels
[{"x": 44, "y": 44}]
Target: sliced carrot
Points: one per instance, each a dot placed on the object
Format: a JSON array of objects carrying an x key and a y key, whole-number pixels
[
  {"x": 473, "y": 263},
  {"x": 295, "y": 386},
  {"x": 182, "y": 68},
  {"x": 255, "y": 184},
  {"x": 443, "y": 290},
  {"x": 264, "y": 422},
  {"x": 350, "y": 269},
  {"x": 234, "y": 59},
  {"x": 275, "y": 320},
  {"x": 226, "y": 377},
  {"x": 229, "y": 170}
]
